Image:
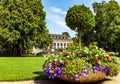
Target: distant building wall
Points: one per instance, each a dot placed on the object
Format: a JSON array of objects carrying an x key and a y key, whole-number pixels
[{"x": 60, "y": 41}]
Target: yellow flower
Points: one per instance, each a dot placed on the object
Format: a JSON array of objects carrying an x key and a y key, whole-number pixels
[{"x": 95, "y": 43}]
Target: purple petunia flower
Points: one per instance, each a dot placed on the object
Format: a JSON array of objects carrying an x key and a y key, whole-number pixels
[{"x": 81, "y": 73}]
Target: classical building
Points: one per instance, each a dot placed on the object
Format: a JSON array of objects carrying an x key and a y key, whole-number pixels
[{"x": 60, "y": 41}]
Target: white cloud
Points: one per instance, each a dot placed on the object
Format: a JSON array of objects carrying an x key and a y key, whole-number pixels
[
  {"x": 55, "y": 18},
  {"x": 58, "y": 10}
]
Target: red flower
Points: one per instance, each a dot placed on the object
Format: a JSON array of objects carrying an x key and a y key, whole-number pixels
[
  {"x": 65, "y": 63},
  {"x": 107, "y": 57},
  {"x": 67, "y": 53},
  {"x": 96, "y": 60},
  {"x": 57, "y": 62},
  {"x": 53, "y": 66}
]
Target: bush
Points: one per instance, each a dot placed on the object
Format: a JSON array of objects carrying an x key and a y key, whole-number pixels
[
  {"x": 113, "y": 53},
  {"x": 80, "y": 61}
]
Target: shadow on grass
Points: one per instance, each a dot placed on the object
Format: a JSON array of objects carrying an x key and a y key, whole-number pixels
[
  {"x": 40, "y": 75},
  {"x": 42, "y": 79}
]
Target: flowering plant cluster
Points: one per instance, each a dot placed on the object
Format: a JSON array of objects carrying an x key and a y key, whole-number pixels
[{"x": 80, "y": 61}]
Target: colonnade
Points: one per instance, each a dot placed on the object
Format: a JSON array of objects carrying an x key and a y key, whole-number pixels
[{"x": 57, "y": 45}]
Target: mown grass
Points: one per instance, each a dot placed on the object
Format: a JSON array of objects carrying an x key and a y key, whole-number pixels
[{"x": 21, "y": 68}]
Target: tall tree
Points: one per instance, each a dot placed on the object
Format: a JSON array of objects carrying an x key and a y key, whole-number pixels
[
  {"x": 80, "y": 19},
  {"x": 107, "y": 24},
  {"x": 88, "y": 37},
  {"x": 22, "y": 25},
  {"x": 66, "y": 33}
]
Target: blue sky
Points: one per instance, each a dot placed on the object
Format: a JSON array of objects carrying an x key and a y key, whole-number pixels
[{"x": 56, "y": 11}]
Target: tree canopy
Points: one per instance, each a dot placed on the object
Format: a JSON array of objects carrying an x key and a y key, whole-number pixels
[
  {"x": 22, "y": 25},
  {"x": 80, "y": 19},
  {"x": 66, "y": 33},
  {"x": 108, "y": 25}
]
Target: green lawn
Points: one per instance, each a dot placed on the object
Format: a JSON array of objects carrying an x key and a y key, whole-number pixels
[{"x": 21, "y": 68}]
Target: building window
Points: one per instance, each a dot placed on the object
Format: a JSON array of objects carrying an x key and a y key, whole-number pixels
[
  {"x": 61, "y": 45},
  {"x": 57, "y": 45},
  {"x": 61, "y": 37},
  {"x": 64, "y": 45},
  {"x": 54, "y": 45},
  {"x": 57, "y": 37}
]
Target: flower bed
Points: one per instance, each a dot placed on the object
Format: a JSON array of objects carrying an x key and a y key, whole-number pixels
[{"x": 81, "y": 64}]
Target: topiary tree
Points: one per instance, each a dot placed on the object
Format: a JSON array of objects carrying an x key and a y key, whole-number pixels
[{"x": 80, "y": 18}]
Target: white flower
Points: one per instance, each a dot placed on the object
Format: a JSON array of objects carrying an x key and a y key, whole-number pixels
[
  {"x": 101, "y": 49},
  {"x": 55, "y": 59},
  {"x": 91, "y": 70},
  {"x": 68, "y": 56},
  {"x": 85, "y": 70},
  {"x": 96, "y": 55},
  {"x": 60, "y": 61},
  {"x": 55, "y": 75},
  {"x": 85, "y": 50},
  {"x": 96, "y": 47},
  {"x": 76, "y": 75},
  {"x": 51, "y": 71},
  {"x": 84, "y": 74}
]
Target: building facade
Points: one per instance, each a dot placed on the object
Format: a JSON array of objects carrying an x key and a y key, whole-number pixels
[{"x": 60, "y": 41}]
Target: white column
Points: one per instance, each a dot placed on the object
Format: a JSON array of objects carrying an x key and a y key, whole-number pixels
[
  {"x": 62, "y": 44},
  {"x": 59, "y": 45}
]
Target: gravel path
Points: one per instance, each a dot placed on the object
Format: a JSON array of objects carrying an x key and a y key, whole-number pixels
[{"x": 113, "y": 80}]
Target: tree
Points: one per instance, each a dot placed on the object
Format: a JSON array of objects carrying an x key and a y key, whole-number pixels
[
  {"x": 75, "y": 40},
  {"x": 80, "y": 19},
  {"x": 66, "y": 34},
  {"x": 22, "y": 25},
  {"x": 88, "y": 37},
  {"x": 107, "y": 25}
]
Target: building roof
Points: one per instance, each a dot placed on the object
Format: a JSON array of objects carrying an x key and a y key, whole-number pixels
[{"x": 60, "y": 37}]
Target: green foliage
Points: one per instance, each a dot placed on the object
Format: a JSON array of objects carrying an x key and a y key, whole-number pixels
[
  {"x": 80, "y": 18},
  {"x": 107, "y": 25},
  {"x": 66, "y": 33},
  {"x": 75, "y": 40},
  {"x": 88, "y": 37},
  {"x": 22, "y": 25},
  {"x": 115, "y": 70},
  {"x": 113, "y": 53}
]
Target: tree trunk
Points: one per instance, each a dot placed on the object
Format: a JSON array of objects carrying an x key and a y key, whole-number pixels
[
  {"x": 19, "y": 52},
  {"x": 119, "y": 53},
  {"x": 79, "y": 37}
]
